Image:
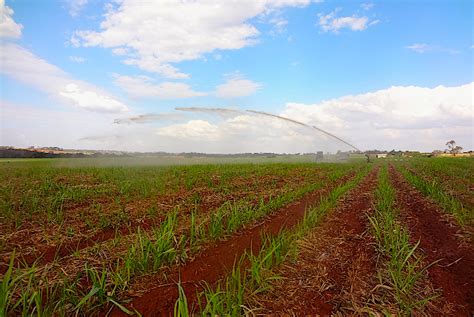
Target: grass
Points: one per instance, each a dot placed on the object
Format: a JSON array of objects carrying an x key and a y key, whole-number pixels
[{"x": 403, "y": 266}]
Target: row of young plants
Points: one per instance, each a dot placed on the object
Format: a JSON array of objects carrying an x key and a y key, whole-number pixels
[
  {"x": 435, "y": 190},
  {"x": 253, "y": 274},
  {"x": 403, "y": 268},
  {"x": 28, "y": 290},
  {"x": 46, "y": 190},
  {"x": 113, "y": 211}
]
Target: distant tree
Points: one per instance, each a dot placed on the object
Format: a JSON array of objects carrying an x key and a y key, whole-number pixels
[
  {"x": 457, "y": 149},
  {"x": 453, "y": 148}
]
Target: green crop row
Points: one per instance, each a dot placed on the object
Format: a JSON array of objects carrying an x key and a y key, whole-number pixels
[
  {"x": 252, "y": 274},
  {"x": 403, "y": 265},
  {"x": 40, "y": 194},
  {"x": 437, "y": 192},
  {"x": 29, "y": 290}
]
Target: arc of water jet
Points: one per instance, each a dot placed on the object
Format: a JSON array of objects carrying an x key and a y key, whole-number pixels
[
  {"x": 304, "y": 125},
  {"x": 222, "y": 111},
  {"x": 149, "y": 117},
  {"x": 236, "y": 111}
]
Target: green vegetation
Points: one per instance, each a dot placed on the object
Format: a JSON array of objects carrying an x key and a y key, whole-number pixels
[
  {"x": 253, "y": 274},
  {"x": 67, "y": 198},
  {"x": 404, "y": 267},
  {"x": 156, "y": 217},
  {"x": 446, "y": 181}
]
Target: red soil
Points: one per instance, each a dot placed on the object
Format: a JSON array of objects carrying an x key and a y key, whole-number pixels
[
  {"x": 439, "y": 239},
  {"x": 217, "y": 261},
  {"x": 336, "y": 267}
]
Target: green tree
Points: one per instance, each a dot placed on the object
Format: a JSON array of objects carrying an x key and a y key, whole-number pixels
[{"x": 453, "y": 148}]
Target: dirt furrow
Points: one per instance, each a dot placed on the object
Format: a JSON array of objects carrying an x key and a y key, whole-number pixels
[
  {"x": 440, "y": 240},
  {"x": 336, "y": 268},
  {"x": 218, "y": 259}
]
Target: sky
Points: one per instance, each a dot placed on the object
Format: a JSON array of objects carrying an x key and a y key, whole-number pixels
[{"x": 110, "y": 75}]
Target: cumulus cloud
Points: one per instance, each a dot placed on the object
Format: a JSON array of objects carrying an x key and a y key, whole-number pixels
[
  {"x": 76, "y": 6},
  {"x": 192, "y": 130},
  {"x": 407, "y": 118},
  {"x": 156, "y": 34},
  {"x": 8, "y": 27},
  {"x": 279, "y": 24},
  {"x": 420, "y": 47},
  {"x": 144, "y": 87},
  {"x": 424, "y": 48},
  {"x": 23, "y": 126},
  {"x": 367, "y": 6},
  {"x": 87, "y": 99},
  {"x": 333, "y": 23},
  {"x": 22, "y": 65},
  {"x": 237, "y": 86},
  {"x": 397, "y": 117},
  {"x": 410, "y": 117},
  {"x": 77, "y": 59}
]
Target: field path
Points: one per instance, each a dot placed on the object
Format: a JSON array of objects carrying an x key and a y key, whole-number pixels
[
  {"x": 336, "y": 266},
  {"x": 217, "y": 261},
  {"x": 439, "y": 240}
]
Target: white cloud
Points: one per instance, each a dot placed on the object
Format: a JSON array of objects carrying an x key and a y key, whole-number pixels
[
  {"x": 22, "y": 125},
  {"x": 87, "y": 99},
  {"x": 406, "y": 118},
  {"x": 8, "y": 27},
  {"x": 119, "y": 51},
  {"x": 153, "y": 64},
  {"x": 192, "y": 130},
  {"x": 424, "y": 48},
  {"x": 242, "y": 133},
  {"x": 333, "y": 23},
  {"x": 155, "y": 34},
  {"x": 367, "y": 6},
  {"x": 77, "y": 59},
  {"x": 22, "y": 65},
  {"x": 420, "y": 48},
  {"x": 76, "y": 6},
  {"x": 279, "y": 24},
  {"x": 143, "y": 87},
  {"x": 410, "y": 117},
  {"x": 237, "y": 86}
]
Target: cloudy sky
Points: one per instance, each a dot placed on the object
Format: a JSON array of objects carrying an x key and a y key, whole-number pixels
[{"x": 95, "y": 74}]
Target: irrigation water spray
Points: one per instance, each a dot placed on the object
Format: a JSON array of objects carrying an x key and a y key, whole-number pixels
[
  {"x": 304, "y": 125},
  {"x": 237, "y": 112},
  {"x": 219, "y": 111}
]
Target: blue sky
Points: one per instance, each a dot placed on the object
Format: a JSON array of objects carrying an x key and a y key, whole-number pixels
[{"x": 346, "y": 66}]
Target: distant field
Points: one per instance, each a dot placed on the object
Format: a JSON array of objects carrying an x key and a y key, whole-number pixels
[
  {"x": 176, "y": 160},
  {"x": 210, "y": 236}
]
